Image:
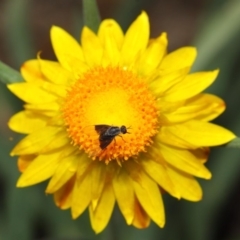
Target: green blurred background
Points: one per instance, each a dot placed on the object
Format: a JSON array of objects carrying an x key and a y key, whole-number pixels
[{"x": 214, "y": 27}]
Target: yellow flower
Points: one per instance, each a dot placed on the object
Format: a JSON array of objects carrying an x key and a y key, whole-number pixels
[{"x": 117, "y": 118}]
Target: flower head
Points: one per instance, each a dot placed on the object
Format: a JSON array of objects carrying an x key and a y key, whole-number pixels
[{"x": 116, "y": 119}]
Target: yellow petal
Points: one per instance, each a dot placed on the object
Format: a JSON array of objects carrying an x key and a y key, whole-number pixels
[
  {"x": 55, "y": 73},
  {"x": 190, "y": 86},
  {"x": 182, "y": 114},
  {"x": 169, "y": 107},
  {"x": 48, "y": 109},
  {"x": 204, "y": 107},
  {"x": 147, "y": 193},
  {"x": 102, "y": 213},
  {"x": 136, "y": 39},
  {"x": 66, "y": 169},
  {"x": 81, "y": 197},
  {"x": 42, "y": 168},
  {"x": 65, "y": 47},
  {"x": 184, "y": 160},
  {"x": 82, "y": 192},
  {"x": 167, "y": 136},
  {"x": 159, "y": 174},
  {"x": 76, "y": 67},
  {"x": 31, "y": 93},
  {"x": 124, "y": 195},
  {"x": 97, "y": 173},
  {"x": 163, "y": 83},
  {"x": 56, "y": 120},
  {"x": 35, "y": 141},
  {"x": 111, "y": 36},
  {"x": 24, "y": 161},
  {"x": 141, "y": 219},
  {"x": 179, "y": 59},
  {"x": 199, "y": 133},
  {"x": 111, "y": 27},
  {"x": 213, "y": 106},
  {"x": 30, "y": 71},
  {"x": 60, "y": 140},
  {"x": 34, "y": 121},
  {"x": 187, "y": 186},
  {"x": 57, "y": 90},
  {"x": 153, "y": 55},
  {"x": 92, "y": 47},
  {"x": 202, "y": 154},
  {"x": 63, "y": 197}
]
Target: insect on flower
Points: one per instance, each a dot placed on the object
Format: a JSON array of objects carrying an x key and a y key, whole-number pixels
[
  {"x": 106, "y": 79},
  {"x": 107, "y": 133}
]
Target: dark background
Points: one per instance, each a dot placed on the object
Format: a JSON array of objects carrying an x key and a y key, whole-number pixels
[{"x": 214, "y": 27}]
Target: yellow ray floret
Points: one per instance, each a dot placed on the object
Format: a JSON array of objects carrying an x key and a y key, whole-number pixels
[{"x": 117, "y": 119}]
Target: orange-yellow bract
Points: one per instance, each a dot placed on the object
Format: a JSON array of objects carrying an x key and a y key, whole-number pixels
[{"x": 116, "y": 79}]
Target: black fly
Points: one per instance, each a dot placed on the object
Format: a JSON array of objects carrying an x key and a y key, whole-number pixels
[{"x": 107, "y": 133}]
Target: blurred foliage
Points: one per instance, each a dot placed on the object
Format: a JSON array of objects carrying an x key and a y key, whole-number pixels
[
  {"x": 18, "y": 30},
  {"x": 29, "y": 214},
  {"x": 91, "y": 14},
  {"x": 9, "y": 75}
]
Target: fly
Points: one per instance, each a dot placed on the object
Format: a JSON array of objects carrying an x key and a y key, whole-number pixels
[{"x": 107, "y": 133}]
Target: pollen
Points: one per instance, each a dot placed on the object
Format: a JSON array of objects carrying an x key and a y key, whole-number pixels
[{"x": 114, "y": 97}]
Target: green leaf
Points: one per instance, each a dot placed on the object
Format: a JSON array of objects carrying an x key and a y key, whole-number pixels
[
  {"x": 220, "y": 32},
  {"x": 18, "y": 31},
  {"x": 9, "y": 75},
  {"x": 235, "y": 143},
  {"x": 91, "y": 14}
]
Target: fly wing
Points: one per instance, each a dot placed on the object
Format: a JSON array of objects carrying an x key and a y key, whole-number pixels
[
  {"x": 101, "y": 128},
  {"x": 105, "y": 142}
]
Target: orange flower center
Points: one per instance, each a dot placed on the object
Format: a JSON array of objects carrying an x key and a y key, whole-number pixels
[{"x": 110, "y": 114}]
